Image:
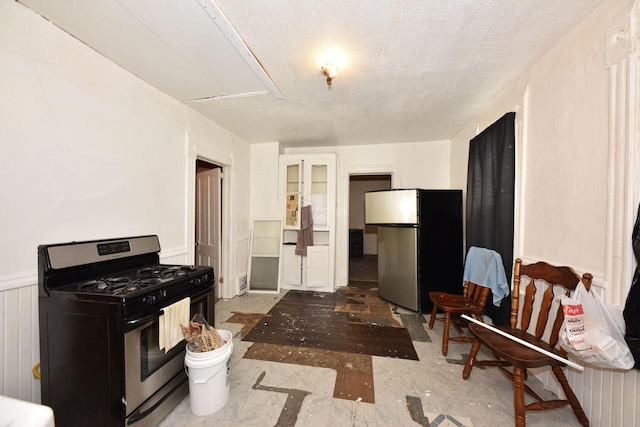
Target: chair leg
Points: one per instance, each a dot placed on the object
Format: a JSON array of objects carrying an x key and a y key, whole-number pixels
[
  {"x": 518, "y": 396},
  {"x": 432, "y": 319},
  {"x": 471, "y": 358},
  {"x": 571, "y": 397},
  {"x": 445, "y": 333}
]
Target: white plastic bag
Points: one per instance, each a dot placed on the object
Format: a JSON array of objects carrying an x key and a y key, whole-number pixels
[{"x": 594, "y": 331}]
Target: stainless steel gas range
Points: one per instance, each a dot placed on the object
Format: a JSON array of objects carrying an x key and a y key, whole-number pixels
[{"x": 99, "y": 305}]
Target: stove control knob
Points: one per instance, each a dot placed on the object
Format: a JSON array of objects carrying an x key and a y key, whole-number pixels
[
  {"x": 151, "y": 299},
  {"x": 162, "y": 294}
]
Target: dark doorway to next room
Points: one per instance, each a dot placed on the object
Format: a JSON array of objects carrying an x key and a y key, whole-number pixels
[{"x": 363, "y": 239}]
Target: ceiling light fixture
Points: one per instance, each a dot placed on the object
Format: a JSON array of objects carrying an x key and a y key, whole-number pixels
[{"x": 330, "y": 71}]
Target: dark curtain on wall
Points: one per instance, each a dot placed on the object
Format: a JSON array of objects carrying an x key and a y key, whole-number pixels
[
  {"x": 490, "y": 199},
  {"x": 631, "y": 311}
]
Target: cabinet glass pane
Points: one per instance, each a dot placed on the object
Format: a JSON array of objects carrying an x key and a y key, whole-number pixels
[
  {"x": 293, "y": 191},
  {"x": 264, "y": 274},
  {"x": 291, "y": 210},
  {"x": 293, "y": 178},
  {"x": 319, "y": 195},
  {"x": 319, "y": 179}
]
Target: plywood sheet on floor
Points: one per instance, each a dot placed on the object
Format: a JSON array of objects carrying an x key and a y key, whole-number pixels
[{"x": 310, "y": 320}]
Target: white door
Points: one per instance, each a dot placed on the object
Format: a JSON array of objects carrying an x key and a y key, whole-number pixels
[{"x": 208, "y": 223}]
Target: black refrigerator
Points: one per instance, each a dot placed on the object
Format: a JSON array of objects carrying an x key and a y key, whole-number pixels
[{"x": 419, "y": 244}]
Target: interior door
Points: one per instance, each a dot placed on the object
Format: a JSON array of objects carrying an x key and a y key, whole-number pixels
[{"x": 208, "y": 221}]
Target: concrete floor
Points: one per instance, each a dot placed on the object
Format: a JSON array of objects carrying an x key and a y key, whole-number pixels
[{"x": 295, "y": 391}]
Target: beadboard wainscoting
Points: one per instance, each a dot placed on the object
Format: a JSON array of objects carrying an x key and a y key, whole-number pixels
[
  {"x": 19, "y": 348},
  {"x": 608, "y": 397},
  {"x": 177, "y": 257}
]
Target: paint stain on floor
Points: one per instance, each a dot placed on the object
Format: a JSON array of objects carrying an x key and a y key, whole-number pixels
[
  {"x": 354, "y": 377},
  {"x": 291, "y": 410},
  {"x": 414, "y": 406}
]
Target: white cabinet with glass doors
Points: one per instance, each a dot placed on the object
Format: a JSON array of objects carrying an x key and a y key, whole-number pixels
[{"x": 308, "y": 180}]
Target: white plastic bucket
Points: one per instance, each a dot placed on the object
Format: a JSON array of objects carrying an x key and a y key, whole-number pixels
[{"x": 208, "y": 374}]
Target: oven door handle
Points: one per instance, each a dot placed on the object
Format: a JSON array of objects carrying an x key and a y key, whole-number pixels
[{"x": 131, "y": 324}]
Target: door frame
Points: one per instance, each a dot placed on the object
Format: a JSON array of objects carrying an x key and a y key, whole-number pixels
[
  {"x": 227, "y": 257},
  {"x": 342, "y": 219}
]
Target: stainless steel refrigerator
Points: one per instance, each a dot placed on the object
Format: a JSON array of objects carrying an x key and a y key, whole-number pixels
[{"x": 419, "y": 244}]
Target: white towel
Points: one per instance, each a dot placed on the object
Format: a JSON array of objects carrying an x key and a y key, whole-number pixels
[
  {"x": 484, "y": 267},
  {"x": 173, "y": 316}
]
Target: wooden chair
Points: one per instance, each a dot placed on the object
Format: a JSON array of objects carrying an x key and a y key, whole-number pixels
[
  {"x": 520, "y": 357},
  {"x": 472, "y": 302}
]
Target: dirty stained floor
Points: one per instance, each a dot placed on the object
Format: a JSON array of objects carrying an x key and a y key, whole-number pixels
[{"x": 347, "y": 359}]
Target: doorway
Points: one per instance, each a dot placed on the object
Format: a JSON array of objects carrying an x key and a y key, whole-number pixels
[
  {"x": 208, "y": 218},
  {"x": 363, "y": 239}
]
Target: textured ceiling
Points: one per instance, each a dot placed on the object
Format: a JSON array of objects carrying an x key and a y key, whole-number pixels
[
  {"x": 408, "y": 70},
  {"x": 413, "y": 71}
]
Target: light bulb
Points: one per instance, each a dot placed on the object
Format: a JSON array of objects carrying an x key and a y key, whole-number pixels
[{"x": 330, "y": 71}]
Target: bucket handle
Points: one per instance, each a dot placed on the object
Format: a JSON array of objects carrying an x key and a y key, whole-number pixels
[{"x": 224, "y": 365}]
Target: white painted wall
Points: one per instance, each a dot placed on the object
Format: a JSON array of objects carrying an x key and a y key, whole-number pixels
[
  {"x": 264, "y": 181},
  {"x": 263, "y": 187},
  {"x": 562, "y": 109},
  {"x": 90, "y": 151},
  {"x": 565, "y": 152}
]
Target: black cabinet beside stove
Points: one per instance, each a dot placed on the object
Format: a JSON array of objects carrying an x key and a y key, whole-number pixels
[{"x": 99, "y": 305}]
